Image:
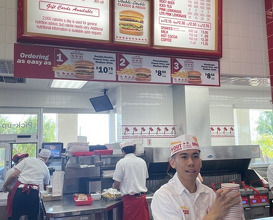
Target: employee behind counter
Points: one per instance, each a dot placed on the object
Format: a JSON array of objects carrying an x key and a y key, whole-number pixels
[
  {"x": 32, "y": 173},
  {"x": 185, "y": 197}
]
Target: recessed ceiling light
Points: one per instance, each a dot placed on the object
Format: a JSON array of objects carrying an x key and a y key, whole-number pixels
[{"x": 67, "y": 84}]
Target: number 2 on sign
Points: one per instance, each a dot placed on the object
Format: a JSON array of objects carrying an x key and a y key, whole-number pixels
[{"x": 122, "y": 62}]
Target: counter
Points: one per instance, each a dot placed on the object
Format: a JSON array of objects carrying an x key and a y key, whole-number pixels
[{"x": 105, "y": 210}]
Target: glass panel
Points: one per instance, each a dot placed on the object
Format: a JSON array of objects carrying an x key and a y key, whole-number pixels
[
  {"x": 67, "y": 127},
  {"x": 261, "y": 127},
  {"x": 18, "y": 124},
  {"x": 95, "y": 127},
  {"x": 50, "y": 128},
  {"x": 30, "y": 148},
  {"x": 2, "y": 164}
]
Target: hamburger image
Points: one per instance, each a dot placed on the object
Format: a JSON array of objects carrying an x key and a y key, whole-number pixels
[
  {"x": 84, "y": 69},
  {"x": 131, "y": 23},
  {"x": 194, "y": 77},
  {"x": 143, "y": 74}
]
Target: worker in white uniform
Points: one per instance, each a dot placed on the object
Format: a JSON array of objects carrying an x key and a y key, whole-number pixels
[
  {"x": 31, "y": 173},
  {"x": 184, "y": 197},
  {"x": 17, "y": 158},
  {"x": 269, "y": 174},
  {"x": 130, "y": 177}
]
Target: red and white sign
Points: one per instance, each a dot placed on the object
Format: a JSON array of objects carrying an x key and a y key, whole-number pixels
[
  {"x": 148, "y": 131},
  {"x": 155, "y": 69},
  {"x": 222, "y": 131},
  {"x": 198, "y": 72},
  {"x": 132, "y": 22},
  {"x": 46, "y": 62},
  {"x": 88, "y": 19},
  {"x": 50, "y": 62},
  {"x": 186, "y": 24}
]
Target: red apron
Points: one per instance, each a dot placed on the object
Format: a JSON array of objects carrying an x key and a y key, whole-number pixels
[
  {"x": 10, "y": 198},
  {"x": 135, "y": 207},
  {"x": 26, "y": 188}
]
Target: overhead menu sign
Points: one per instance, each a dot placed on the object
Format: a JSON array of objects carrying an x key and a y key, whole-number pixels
[
  {"x": 45, "y": 62},
  {"x": 186, "y": 24},
  {"x": 132, "y": 21},
  {"x": 158, "y": 27},
  {"x": 143, "y": 69},
  {"x": 75, "y": 19}
]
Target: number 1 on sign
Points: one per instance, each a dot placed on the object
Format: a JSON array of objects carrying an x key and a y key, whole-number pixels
[{"x": 59, "y": 57}]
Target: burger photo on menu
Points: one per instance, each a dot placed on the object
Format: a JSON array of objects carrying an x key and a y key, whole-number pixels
[
  {"x": 143, "y": 74},
  {"x": 194, "y": 77},
  {"x": 131, "y": 22},
  {"x": 84, "y": 69}
]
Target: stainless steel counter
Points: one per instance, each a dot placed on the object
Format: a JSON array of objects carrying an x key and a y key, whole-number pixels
[{"x": 67, "y": 208}]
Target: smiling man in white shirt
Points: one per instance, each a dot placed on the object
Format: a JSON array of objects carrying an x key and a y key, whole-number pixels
[{"x": 184, "y": 197}]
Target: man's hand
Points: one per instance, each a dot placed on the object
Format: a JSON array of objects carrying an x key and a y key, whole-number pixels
[{"x": 222, "y": 204}]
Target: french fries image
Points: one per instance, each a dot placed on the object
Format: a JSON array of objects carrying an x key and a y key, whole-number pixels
[
  {"x": 181, "y": 74},
  {"x": 129, "y": 71},
  {"x": 64, "y": 67}
]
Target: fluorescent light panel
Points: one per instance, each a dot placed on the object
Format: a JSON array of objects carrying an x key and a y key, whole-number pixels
[{"x": 67, "y": 84}]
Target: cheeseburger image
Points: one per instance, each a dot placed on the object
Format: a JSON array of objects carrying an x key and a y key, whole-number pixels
[
  {"x": 194, "y": 77},
  {"x": 143, "y": 74},
  {"x": 131, "y": 23},
  {"x": 84, "y": 69}
]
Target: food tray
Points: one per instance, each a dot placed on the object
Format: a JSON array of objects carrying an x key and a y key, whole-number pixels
[
  {"x": 103, "y": 152},
  {"x": 111, "y": 197},
  {"x": 83, "y": 199},
  {"x": 83, "y": 153}
]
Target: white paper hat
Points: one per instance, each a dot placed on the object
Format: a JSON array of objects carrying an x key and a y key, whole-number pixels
[
  {"x": 127, "y": 143},
  {"x": 184, "y": 142},
  {"x": 45, "y": 153}
]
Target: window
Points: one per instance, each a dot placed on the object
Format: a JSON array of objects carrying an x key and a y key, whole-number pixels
[
  {"x": 261, "y": 131},
  {"x": 67, "y": 127},
  {"x": 18, "y": 124}
]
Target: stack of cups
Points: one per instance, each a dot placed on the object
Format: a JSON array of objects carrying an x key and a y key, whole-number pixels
[{"x": 235, "y": 212}]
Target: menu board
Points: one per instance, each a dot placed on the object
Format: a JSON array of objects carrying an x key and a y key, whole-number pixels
[
  {"x": 60, "y": 63},
  {"x": 62, "y": 18},
  {"x": 47, "y": 62},
  {"x": 195, "y": 72},
  {"x": 132, "y": 22},
  {"x": 143, "y": 69},
  {"x": 159, "y": 27},
  {"x": 187, "y": 24}
]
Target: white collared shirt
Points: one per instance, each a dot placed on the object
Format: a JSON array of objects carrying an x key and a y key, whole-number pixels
[
  {"x": 173, "y": 201},
  {"x": 132, "y": 172},
  {"x": 269, "y": 174},
  {"x": 33, "y": 171}
]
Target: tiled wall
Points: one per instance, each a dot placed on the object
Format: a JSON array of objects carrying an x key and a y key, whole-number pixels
[
  {"x": 8, "y": 16},
  {"x": 244, "y": 39},
  {"x": 147, "y": 106}
]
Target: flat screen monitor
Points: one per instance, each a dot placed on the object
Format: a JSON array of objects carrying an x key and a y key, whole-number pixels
[
  {"x": 55, "y": 148},
  {"x": 101, "y": 103}
]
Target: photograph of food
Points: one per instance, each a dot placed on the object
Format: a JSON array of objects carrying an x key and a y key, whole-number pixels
[
  {"x": 194, "y": 77},
  {"x": 180, "y": 76},
  {"x": 143, "y": 74},
  {"x": 84, "y": 69},
  {"x": 131, "y": 23}
]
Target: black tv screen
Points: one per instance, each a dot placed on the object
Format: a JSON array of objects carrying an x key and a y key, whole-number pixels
[
  {"x": 101, "y": 103},
  {"x": 55, "y": 148}
]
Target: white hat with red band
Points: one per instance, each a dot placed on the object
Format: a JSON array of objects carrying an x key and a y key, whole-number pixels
[{"x": 184, "y": 142}]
